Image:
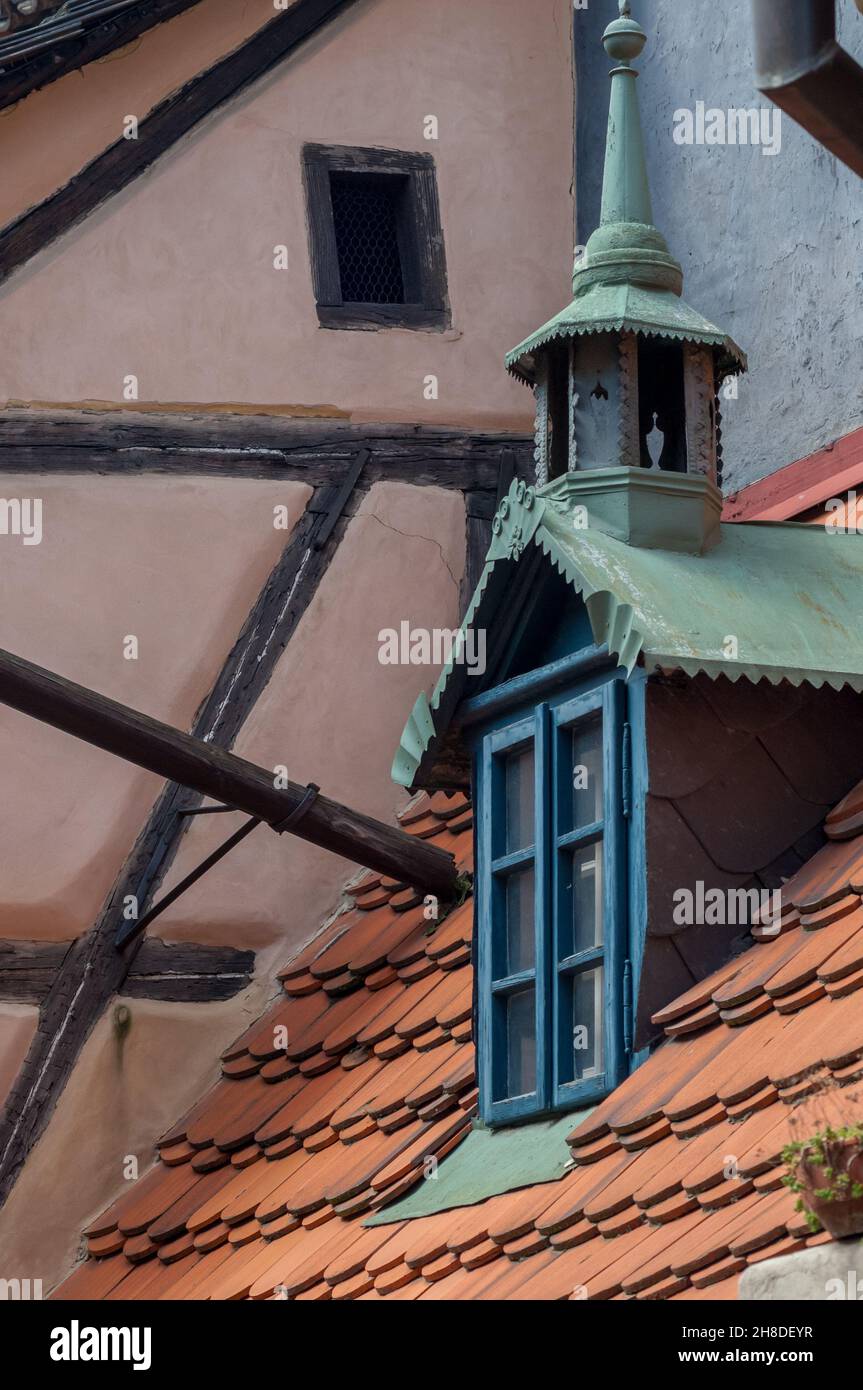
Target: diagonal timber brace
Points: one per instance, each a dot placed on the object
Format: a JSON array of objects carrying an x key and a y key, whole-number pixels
[{"x": 213, "y": 772}]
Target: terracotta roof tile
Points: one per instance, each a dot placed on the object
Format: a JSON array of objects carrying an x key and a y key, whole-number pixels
[
  {"x": 506, "y": 1281},
  {"x": 410, "y": 999},
  {"x": 165, "y": 1278},
  {"x": 844, "y": 959},
  {"x": 697, "y": 997},
  {"x": 176, "y": 1153},
  {"x": 822, "y": 917},
  {"x": 672, "y": 1208},
  {"x": 800, "y": 998},
  {"x": 217, "y": 1235},
  {"x": 571, "y": 1236},
  {"x": 468, "y": 1284},
  {"x": 449, "y": 805},
  {"x": 427, "y": 827},
  {"x": 174, "y": 1221},
  {"x": 154, "y": 1195},
  {"x": 134, "y": 1283},
  {"x": 370, "y": 899},
  {"x": 758, "y": 966},
  {"x": 676, "y": 1181},
  {"x": 714, "y": 1294},
  {"x": 718, "y": 1273},
  {"x": 847, "y": 818},
  {"x": 577, "y": 1190},
  {"x": 519, "y": 1215},
  {"x": 827, "y": 877},
  {"x": 111, "y": 1244},
  {"x": 666, "y": 1288},
  {"x": 137, "y": 1249},
  {"x": 428, "y": 1040},
  {"x": 814, "y": 949},
  {"x": 849, "y": 985}
]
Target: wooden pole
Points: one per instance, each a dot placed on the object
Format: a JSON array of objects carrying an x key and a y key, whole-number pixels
[{"x": 212, "y": 772}]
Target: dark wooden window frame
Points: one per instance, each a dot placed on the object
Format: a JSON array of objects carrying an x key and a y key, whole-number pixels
[{"x": 421, "y": 242}]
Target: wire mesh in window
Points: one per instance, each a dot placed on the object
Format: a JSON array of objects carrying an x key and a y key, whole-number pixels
[{"x": 366, "y": 213}]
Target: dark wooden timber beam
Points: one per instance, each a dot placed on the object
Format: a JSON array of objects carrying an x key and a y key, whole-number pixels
[
  {"x": 213, "y": 772},
  {"x": 480, "y": 507},
  {"x": 93, "y": 970},
  {"x": 158, "y": 132},
  {"x": 28, "y": 969},
  {"x": 57, "y": 51},
  {"x": 185, "y": 972},
  {"x": 315, "y": 452},
  {"x": 174, "y": 973}
]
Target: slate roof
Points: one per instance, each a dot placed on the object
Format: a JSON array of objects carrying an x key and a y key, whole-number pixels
[{"x": 676, "y": 1179}]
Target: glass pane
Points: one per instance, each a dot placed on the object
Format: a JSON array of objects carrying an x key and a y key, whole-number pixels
[
  {"x": 520, "y": 941},
  {"x": 587, "y": 1024},
  {"x": 586, "y": 898},
  {"x": 521, "y": 1043},
  {"x": 587, "y": 775},
  {"x": 519, "y": 800}
]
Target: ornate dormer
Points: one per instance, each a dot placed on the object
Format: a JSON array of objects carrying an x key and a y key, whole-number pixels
[{"x": 627, "y": 378}]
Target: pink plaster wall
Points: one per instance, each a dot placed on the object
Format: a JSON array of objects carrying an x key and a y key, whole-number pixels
[
  {"x": 123, "y": 1093},
  {"x": 177, "y": 563},
  {"x": 331, "y": 712},
  {"x": 74, "y": 119},
  {"x": 173, "y": 279},
  {"x": 333, "y": 715}
]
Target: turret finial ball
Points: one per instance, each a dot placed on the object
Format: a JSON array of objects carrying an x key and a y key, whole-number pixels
[{"x": 624, "y": 39}]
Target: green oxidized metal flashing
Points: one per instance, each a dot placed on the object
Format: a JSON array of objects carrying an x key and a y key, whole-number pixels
[
  {"x": 664, "y": 582},
  {"x": 627, "y": 280},
  {"x": 771, "y": 601}
]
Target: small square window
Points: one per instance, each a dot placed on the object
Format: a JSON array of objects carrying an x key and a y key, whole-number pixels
[
  {"x": 375, "y": 238},
  {"x": 366, "y": 212}
]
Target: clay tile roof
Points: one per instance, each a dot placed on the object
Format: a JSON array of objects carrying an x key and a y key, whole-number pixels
[{"x": 675, "y": 1182}]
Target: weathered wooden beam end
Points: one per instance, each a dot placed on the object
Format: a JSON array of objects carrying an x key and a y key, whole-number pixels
[{"x": 213, "y": 772}]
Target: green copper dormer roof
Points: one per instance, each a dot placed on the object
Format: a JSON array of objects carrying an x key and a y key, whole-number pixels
[
  {"x": 773, "y": 601},
  {"x": 627, "y": 280},
  {"x": 627, "y": 308}
]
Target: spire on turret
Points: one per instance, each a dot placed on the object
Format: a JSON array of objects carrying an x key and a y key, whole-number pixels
[
  {"x": 627, "y": 377},
  {"x": 626, "y": 244},
  {"x": 625, "y": 191}
]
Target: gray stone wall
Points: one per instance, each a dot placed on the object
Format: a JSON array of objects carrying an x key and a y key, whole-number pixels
[
  {"x": 771, "y": 246},
  {"x": 826, "y": 1274}
]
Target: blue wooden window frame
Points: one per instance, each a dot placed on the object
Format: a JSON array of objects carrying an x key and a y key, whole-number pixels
[{"x": 548, "y": 728}]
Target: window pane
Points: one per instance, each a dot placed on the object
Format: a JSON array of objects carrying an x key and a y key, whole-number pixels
[
  {"x": 365, "y": 218},
  {"x": 587, "y": 1024},
  {"x": 587, "y": 775},
  {"x": 519, "y": 800},
  {"x": 520, "y": 940},
  {"x": 521, "y": 1043},
  {"x": 585, "y": 885}
]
